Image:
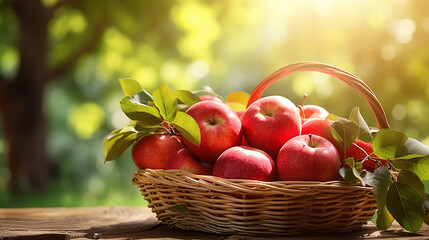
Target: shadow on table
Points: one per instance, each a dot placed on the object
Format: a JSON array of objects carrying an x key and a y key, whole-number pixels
[{"x": 135, "y": 230}]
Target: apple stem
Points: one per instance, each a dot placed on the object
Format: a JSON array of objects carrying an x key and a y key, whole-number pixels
[
  {"x": 212, "y": 121},
  {"x": 301, "y": 112},
  {"x": 303, "y": 99},
  {"x": 311, "y": 140}
]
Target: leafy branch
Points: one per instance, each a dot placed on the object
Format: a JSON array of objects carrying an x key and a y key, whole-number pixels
[
  {"x": 159, "y": 113},
  {"x": 398, "y": 188}
]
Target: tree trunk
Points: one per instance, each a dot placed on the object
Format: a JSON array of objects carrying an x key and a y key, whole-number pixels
[
  {"x": 22, "y": 98},
  {"x": 24, "y": 128},
  {"x": 21, "y": 102}
]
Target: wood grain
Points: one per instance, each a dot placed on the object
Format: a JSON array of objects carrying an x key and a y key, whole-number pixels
[{"x": 136, "y": 223}]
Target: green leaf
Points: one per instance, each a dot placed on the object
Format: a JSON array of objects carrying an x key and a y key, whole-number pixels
[
  {"x": 333, "y": 117},
  {"x": 406, "y": 206},
  {"x": 426, "y": 204},
  {"x": 143, "y": 97},
  {"x": 166, "y": 101},
  {"x": 352, "y": 174},
  {"x": 181, "y": 209},
  {"x": 145, "y": 115},
  {"x": 380, "y": 181},
  {"x": 188, "y": 127},
  {"x": 187, "y": 97},
  {"x": 411, "y": 179},
  {"x": 383, "y": 219},
  {"x": 427, "y": 219},
  {"x": 151, "y": 129},
  {"x": 348, "y": 175},
  {"x": 365, "y": 134},
  {"x": 130, "y": 86},
  {"x": 413, "y": 146},
  {"x": 115, "y": 143},
  {"x": 414, "y": 163},
  {"x": 357, "y": 175},
  {"x": 345, "y": 132},
  {"x": 388, "y": 143},
  {"x": 426, "y": 183}
]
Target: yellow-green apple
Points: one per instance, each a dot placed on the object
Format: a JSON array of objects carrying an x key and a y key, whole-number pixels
[
  {"x": 269, "y": 122},
  {"x": 183, "y": 159},
  {"x": 313, "y": 111},
  {"x": 244, "y": 162},
  {"x": 209, "y": 97},
  {"x": 308, "y": 158},
  {"x": 220, "y": 129},
  {"x": 154, "y": 150},
  {"x": 359, "y": 150},
  {"x": 321, "y": 127}
]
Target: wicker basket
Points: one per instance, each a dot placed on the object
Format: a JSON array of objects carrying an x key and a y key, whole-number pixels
[{"x": 230, "y": 206}]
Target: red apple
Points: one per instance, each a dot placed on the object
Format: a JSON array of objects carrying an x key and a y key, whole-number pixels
[
  {"x": 308, "y": 158},
  {"x": 359, "y": 150},
  {"x": 240, "y": 115},
  {"x": 269, "y": 122},
  {"x": 210, "y": 98},
  {"x": 244, "y": 162},
  {"x": 313, "y": 111},
  {"x": 321, "y": 127},
  {"x": 184, "y": 160},
  {"x": 220, "y": 129},
  {"x": 154, "y": 150}
]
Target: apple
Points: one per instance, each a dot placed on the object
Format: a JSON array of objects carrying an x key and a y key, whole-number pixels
[
  {"x": 313, "y": 111},
  {"x": 184, "y": 160},
  {"x": 359, "y": 150},
  {"x": 240, "y": 115},
  {"x": 154, "y": 150},
  {"x": 321, "y": 127},
  {"x": 209, "y": 97},
  {"x": 244, "y": 162},
  {"x": 220, "y": 129},
  {"x": 308, "y": 158},
  {"x": 269, "y": 122}
]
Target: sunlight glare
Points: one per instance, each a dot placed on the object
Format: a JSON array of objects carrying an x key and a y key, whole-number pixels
[
  {"x": 86, "y": 119},
  {"x": 399, "y": 112},
  {"x": 388, "y": 52},
  {"x": 324, "y": 8},
  {"x": 198, "y": 69},
  {"x": 169, "y": 70},
  {"x": 119, "y": 119},
  {"x": 415, "y": 110},
  {"x": 403, "y": 30},
  {"x": 303, "y": 84},
  {"x": 323, "y": 85},
  {"x": 425, "y": 24}
]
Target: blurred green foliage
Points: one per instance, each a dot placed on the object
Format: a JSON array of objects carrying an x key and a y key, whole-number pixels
[{"x": 228, "y": 45}]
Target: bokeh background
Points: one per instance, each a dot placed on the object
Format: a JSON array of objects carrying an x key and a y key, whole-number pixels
[{"x": 227, "y": 45}]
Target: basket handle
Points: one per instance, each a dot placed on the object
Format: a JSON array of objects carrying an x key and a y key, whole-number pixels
[{"x": 350, "y": 79}]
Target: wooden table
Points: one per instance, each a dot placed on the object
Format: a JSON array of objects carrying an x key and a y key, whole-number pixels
[{"x": 136, "y": 223}]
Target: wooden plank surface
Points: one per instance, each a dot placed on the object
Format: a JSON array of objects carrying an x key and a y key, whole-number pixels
[{"x": 136, "y": 223}]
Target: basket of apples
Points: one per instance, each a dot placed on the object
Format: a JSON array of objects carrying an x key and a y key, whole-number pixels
[{"x": 257, "y": 165}]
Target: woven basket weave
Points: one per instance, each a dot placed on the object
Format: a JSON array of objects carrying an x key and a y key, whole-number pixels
[{"x": 231, "y": 206}]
